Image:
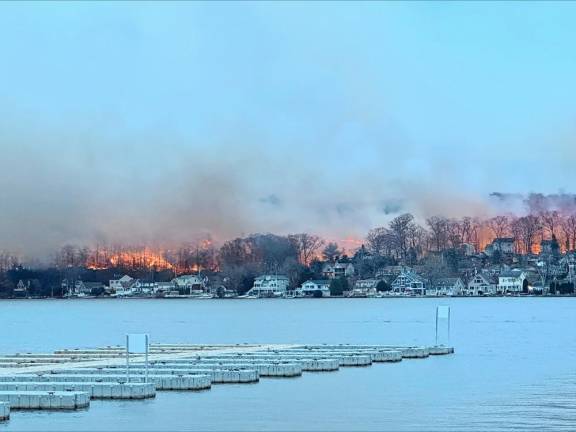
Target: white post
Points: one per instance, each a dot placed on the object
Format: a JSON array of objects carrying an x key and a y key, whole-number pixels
[
  {"x": 146, "y": 360},
  {"x": 442, "y": 313},
  {"x": 127, "y": 359},
  {"x": 436, "y": 338}
]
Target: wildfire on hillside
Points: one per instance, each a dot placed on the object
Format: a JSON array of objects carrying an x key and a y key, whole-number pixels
[{"x": 188, "y": 258}]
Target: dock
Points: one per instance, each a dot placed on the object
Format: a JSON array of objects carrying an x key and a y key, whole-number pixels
[
  {"x": 67, "y": 379},
  {"x": 4, "y": 411}
]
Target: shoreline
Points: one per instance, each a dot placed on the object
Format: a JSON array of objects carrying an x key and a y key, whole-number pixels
[{"x": 278, "y": 299}]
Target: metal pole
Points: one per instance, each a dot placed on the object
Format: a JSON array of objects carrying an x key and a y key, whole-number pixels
[
  {"x": 436, "y": 326},
  {"x": 146, "y": 360},
  {"x": 127, "y": 360},
  {"x": 449, "y": 320}
]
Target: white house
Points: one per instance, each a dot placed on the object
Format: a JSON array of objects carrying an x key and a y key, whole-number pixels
[
  {"x": 511, "y": 281},
  {"x": 87, "y": 288},
  {"x": 452, "y": 286},
  {"x": 365, "y": 287},
  {"x": 337, "y": 270},
  {"x": 165, "y": 287},
  {"x": 409, "y": 283},
  {"x": 269, "y": 286},
  {"x": 123, "y": 286},
  {"x": 481, "y": 284},
  {"x": 312, "y": 288},
  {"x": 190, "y": 282}
]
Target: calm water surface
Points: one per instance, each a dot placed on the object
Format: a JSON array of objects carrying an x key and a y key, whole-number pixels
[{"x": 514, "y": 367}]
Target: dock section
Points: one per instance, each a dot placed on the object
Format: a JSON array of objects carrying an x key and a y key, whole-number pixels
[{"x": 68, "y": 379}]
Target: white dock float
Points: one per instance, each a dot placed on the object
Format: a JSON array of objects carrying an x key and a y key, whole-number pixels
[
  {"x": 407, "y": 351},
  {"x": 343, "y": 359},
  {"x": 308, "y": 365},
  {"x": 440, "y": 350},
  {"x": 95, "y": 390},
  {"x": 216, "y": 375},
  {"x": 161, "y": 382},
  {"x": 4, "y": 411},
  {"x": 67, "y": 379},
  {"x": 375, "y": 355},
  {"x": 265, "y": 369},
  {"x": 50, "y": 400}
]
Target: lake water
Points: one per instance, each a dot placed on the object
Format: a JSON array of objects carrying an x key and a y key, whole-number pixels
[{"x": 514, "y": 367}]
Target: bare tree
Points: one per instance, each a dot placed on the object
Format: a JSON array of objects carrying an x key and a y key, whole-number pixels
[
  {"x": 7, "y": 261},
  {"x": 550, "y": 221},
  {"x": 379, "y": 241},
  {"x": 569, "y": 228},
  {"x": 438, "y": 226},
  {"x": 527, "y": 228},
  {"x": 400, "y": 227},
  {"x": 500, "y": 225},
  {"x": 455, "y": 232},
  {"x": 306, "y": 246}
]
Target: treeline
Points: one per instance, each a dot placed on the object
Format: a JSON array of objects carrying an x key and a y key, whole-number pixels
[{"x": 404, "y": 240}]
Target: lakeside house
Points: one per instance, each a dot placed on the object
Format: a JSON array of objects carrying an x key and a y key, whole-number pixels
[
  {"x": 481, "y": 284},
  {"x": 191, "y": 283},
  {"x": 337, "y": 270},
  {"x": 314, "y": 288},
  {"x": 88, "y": 288},
  {"x": 269, "y": 286},
  {"x": 409, "y": 283},
  {"x": 512, "y": 282},
  {"x": 365, "y": 288},
  {"x": 450, "y": 286},
  {"x": 125, "y": 286}
]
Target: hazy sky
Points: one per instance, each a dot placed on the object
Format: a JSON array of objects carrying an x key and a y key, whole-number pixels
[{"x": 162, "y": 120}]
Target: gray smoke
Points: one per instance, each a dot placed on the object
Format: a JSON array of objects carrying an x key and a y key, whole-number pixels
[{"x": 87, "y": 187}]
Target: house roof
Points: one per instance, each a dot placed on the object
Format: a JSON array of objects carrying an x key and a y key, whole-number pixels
[
  {"x": 448, "y": 281},
  {"x": 318, "y": 281},
  {"x": 414, "y": 277},
  {"x": 270, "y": 277},
  {"x": 125, "y": 278},
  {"x": 511, "y": 273}
]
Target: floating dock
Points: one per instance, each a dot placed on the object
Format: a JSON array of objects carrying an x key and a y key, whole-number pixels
[
  {"x": 68, "y": 379},
  {"x": 96, "y": 390},
  {"x": 4, "y": 411},
  {"x": 45, "y": 400}
]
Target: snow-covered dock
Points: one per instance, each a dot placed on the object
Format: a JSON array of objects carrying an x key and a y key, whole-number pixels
[{"x": 67, "y": 379}]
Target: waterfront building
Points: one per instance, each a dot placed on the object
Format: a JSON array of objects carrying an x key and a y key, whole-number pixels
[
  {"x": 451, "y": 286},
  {"x": 124, "y": 286},
  {"x": 88, "y": 288},
  {"x": 512, "y": 282},
  {"x": 269, "y": 286},
  {"x": 313, "y": 288},
  {"x": 409, "y": 283},
  {"x": 191, "y": 283},
  {"x": 365, "y": 287},
  {"x": 481, "y": 284}
]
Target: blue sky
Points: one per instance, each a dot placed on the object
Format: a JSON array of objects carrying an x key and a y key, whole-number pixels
[{"x": 202, "y": 111}]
